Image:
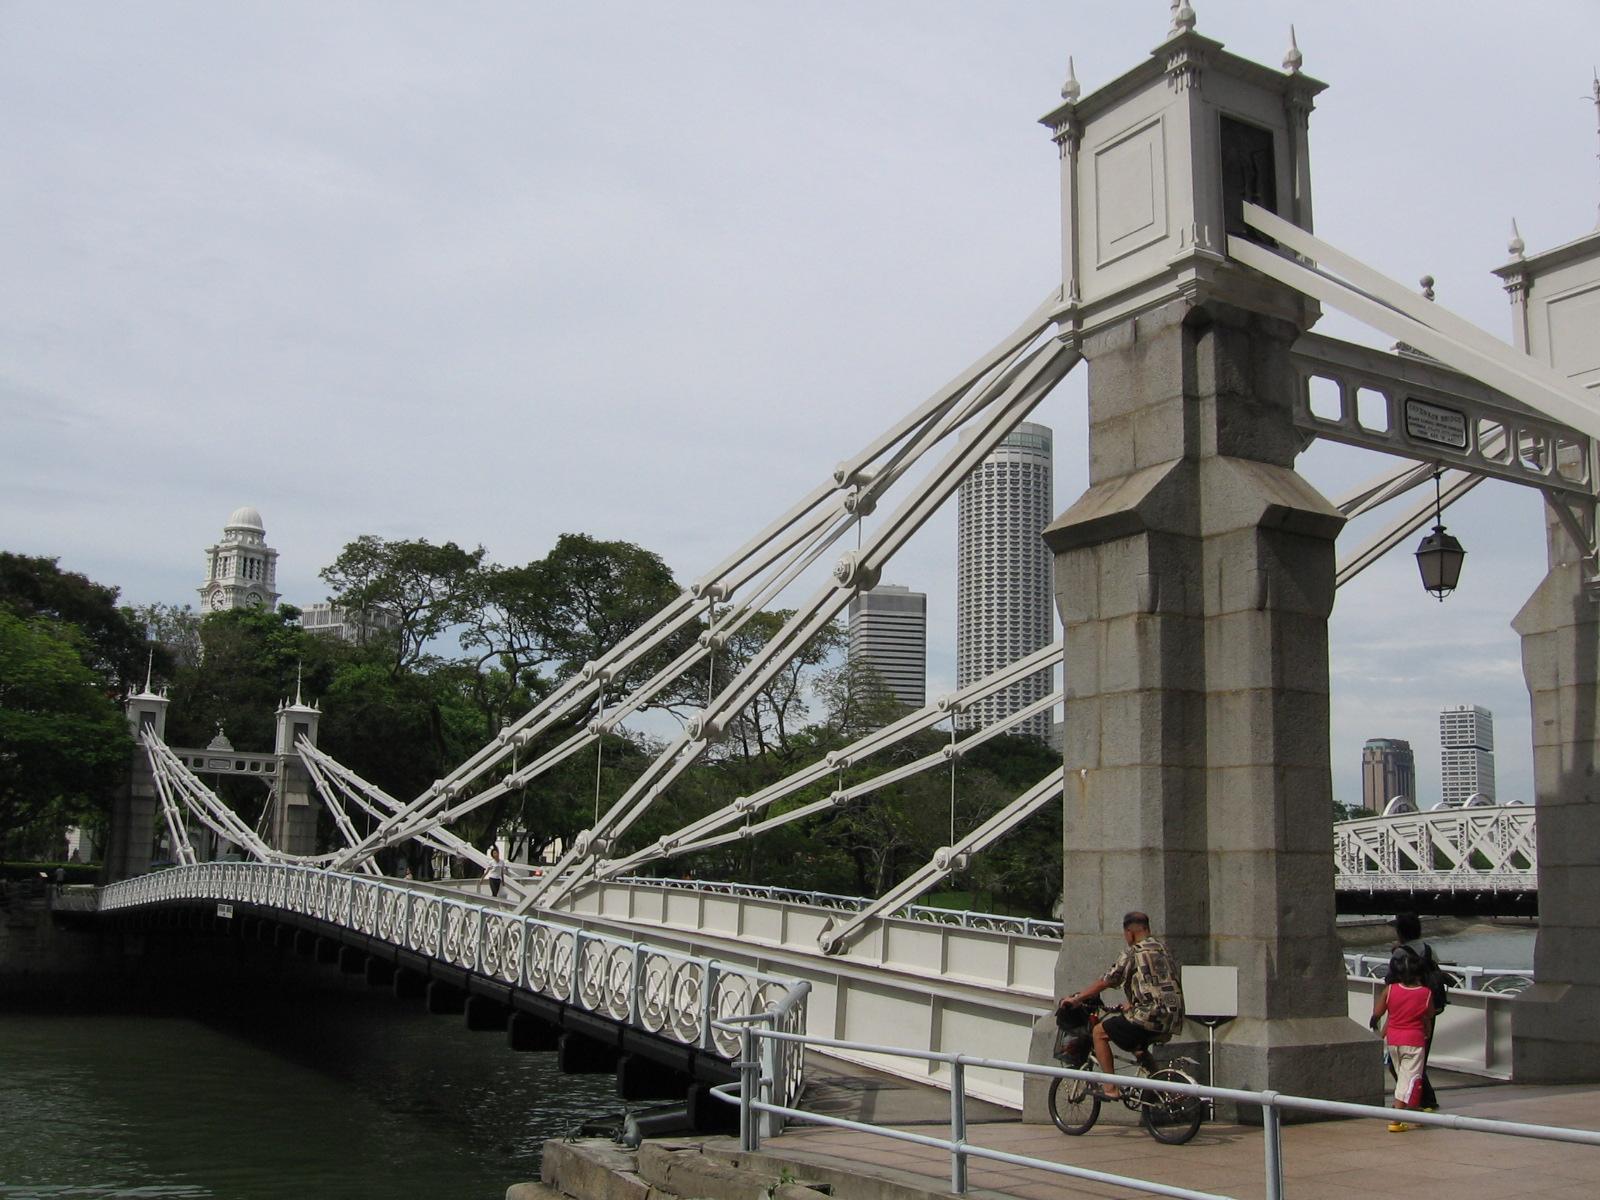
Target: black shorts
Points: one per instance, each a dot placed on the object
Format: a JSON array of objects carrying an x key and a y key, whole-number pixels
[{"x": 1125, "y": 1034}]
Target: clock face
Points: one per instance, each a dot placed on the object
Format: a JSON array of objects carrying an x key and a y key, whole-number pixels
[
  {"x": 255, "y": 600},
  {"x": 216, "y": 597}
]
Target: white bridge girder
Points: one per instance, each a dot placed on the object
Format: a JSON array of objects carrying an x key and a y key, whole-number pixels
[
  {"x": 1473, "y": 403},
  {"x": 1492, "y": 849}
]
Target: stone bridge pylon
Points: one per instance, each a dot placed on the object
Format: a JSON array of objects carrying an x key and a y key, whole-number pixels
[{"x": 1195, "y": 576}]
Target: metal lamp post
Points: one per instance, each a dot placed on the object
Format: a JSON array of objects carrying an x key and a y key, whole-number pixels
[{"x": 1439, "y": 557}]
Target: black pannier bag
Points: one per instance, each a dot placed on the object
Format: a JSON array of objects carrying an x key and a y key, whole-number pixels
[{"x": 1073, "y": 1040}]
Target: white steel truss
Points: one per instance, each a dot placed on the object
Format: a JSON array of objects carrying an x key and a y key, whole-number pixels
[
  {"x": 1491, "y": 848},
  {"x": 1498, "y": 413}
]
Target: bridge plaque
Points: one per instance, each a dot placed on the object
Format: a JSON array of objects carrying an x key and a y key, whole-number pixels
[
  {"x": 225, "y": 911},
  {"x": 1434, "y": 423}
]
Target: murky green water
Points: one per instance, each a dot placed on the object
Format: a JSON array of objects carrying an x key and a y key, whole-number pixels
[{"x": 333, "y": 1090}]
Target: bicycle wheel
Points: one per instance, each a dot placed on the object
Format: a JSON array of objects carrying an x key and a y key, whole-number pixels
[
  {"x": 1073, "y": 1105},
  {"x": 1168, "y": 1116}
]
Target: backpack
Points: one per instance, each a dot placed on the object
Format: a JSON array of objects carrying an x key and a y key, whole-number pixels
[{"x": 1432, "y": 976}]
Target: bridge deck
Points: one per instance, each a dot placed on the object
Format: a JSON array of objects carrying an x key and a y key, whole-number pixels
[{"x": 1334, "y": 1160}]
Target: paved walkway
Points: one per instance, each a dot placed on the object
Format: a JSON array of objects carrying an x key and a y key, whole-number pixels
[{"x": 1331, "y": 1160}]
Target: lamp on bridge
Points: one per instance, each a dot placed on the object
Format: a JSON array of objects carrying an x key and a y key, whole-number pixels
[{"x": 1439, "y": 557}]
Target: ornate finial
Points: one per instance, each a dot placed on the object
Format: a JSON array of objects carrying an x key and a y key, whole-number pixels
[
  {"x": 149, "y": 666},
  {"x": 1182, "y": 18},
  {"x": 1292, "y": 58},
  {"x": 297, "y": 672},
  {"x": 1070, "y": 91},
  {"x": 1427, "y": 287},
  {"x": 1516, "y": 245}
]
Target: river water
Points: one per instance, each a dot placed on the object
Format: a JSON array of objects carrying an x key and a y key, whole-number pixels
[
  {"x": 314, "y": 1084},
  {"x": 346, "y": 1092}
]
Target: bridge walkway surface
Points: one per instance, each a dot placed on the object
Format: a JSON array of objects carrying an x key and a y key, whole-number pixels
[{"x": 1329, "y": 1160}]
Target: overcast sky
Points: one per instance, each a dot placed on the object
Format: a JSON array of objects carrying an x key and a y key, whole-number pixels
[{"x": 493, "y": 272}]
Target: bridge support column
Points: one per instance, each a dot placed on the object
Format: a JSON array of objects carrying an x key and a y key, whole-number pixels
[
  {"x": 445, "y": 999},
  {"x": 1555, "y": 1024},
  {"x": 708, "y": 1114},
  {"x": 485, "y": 1015},
  {"x": 524, "y": 1031},
  {"x": 408, "y": 985},
  {"x": 640, "y": 1078},
  {"x": 580, "y": 1055},
  {"x": 1194, "y": 579},
  {"x": 133, "y": 808}
]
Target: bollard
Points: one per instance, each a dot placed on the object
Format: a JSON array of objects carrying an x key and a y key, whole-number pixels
[
  {"x": 749, "y": 1081},
  {"x": 1272, "y": 1144},
  {"x": 958, "y": 1127}
]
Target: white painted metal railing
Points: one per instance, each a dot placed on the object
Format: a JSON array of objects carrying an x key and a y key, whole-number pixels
[
  {"x": 675, "y": 996},
  {"x": 912, "y": 979},
  {"x": 754, "y": 1087},
  {"x": 960, "y": 918},
  {"x": 1506, "y": 981}
]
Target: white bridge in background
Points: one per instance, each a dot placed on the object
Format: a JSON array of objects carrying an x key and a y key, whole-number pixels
[{"x": 1478, "y": 849}]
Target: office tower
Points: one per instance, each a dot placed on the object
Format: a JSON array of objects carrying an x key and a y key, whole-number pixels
[
  {"x": 1004, "y": 605},
  {"x": 241, "y": 569},
  {"x": 889, "y": 633},
  {"x": 1466, "y": 743},
  {"x": 1388, "y": 769}
]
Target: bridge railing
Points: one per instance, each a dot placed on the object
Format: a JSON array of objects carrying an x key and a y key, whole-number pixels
[
  {"x": 676, "y": 996},
  {"x": 1272, "y": 1105},
  {"x": 1505, "y": 981},
  {"x": 957, "y": 917}
]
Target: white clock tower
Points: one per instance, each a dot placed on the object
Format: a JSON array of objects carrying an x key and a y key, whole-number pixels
[{"x": 241, "y": 569}]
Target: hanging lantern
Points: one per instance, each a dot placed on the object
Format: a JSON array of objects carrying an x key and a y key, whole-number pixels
[{"x": 1440, "y": 556}]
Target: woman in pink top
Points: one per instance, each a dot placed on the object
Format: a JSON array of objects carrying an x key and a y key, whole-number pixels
[{"x": 1409, "y": 1007}]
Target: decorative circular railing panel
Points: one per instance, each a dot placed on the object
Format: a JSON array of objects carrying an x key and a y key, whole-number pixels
[{"x": 674, "y": 996}]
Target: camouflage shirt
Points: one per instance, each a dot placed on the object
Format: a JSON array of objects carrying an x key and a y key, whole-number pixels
[{"x": 1148, "y": 976}]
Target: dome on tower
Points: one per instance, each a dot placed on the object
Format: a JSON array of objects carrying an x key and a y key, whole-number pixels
[{"x": 246, "y": 518}]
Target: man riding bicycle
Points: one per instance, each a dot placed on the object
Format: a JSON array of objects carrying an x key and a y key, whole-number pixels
[{"x": 1148, "y": 977}]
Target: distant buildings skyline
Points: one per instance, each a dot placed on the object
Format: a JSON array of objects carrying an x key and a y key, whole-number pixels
[
  {"x": 1466, "y": 754},
  {"x": 889, "y": 633},
  {"x": 1005, "y": 605},
  {"x": 1388, "y": 770}
]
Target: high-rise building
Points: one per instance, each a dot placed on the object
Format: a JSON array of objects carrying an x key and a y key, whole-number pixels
[
  {"x": 241, "y": 569},
  {"x": 357, "y": 626},
  {"x": 1004, "y": 605},
  {"x": 889, "y": 633},
  {"x": 1388, "y": 769},
  {"x": 1466, "y": 743}
]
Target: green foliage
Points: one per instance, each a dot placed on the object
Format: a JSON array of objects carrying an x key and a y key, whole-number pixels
[
  {"x": 401, "y": 713},
  {"x": 426, "y": 587},
  {"x": 111, "y": 645},
  {"x": 65, "y": 744}
]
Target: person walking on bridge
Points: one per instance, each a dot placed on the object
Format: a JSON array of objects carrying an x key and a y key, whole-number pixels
[
  {"x": 1148, "y": 976},
  {"x": 495, "y": 872}
]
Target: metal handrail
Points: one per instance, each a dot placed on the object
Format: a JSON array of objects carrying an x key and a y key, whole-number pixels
[
  {"x": 752, "y": 1088},
  {"x": 1495, "y": 980},
  {"x": 956, "y": 917},
  {"x": 672, "y": 995}
]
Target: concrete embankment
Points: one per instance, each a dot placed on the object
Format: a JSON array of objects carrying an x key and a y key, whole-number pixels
[{"x": 702, "y": 1168}]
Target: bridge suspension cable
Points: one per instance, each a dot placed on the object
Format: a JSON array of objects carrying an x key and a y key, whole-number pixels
[
  {"x": 176, "y": 784},
  {"x": 701, "y": 834},
  {"x": 1004, "y": 403},
  {"x": 1011, "y": 378}
]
